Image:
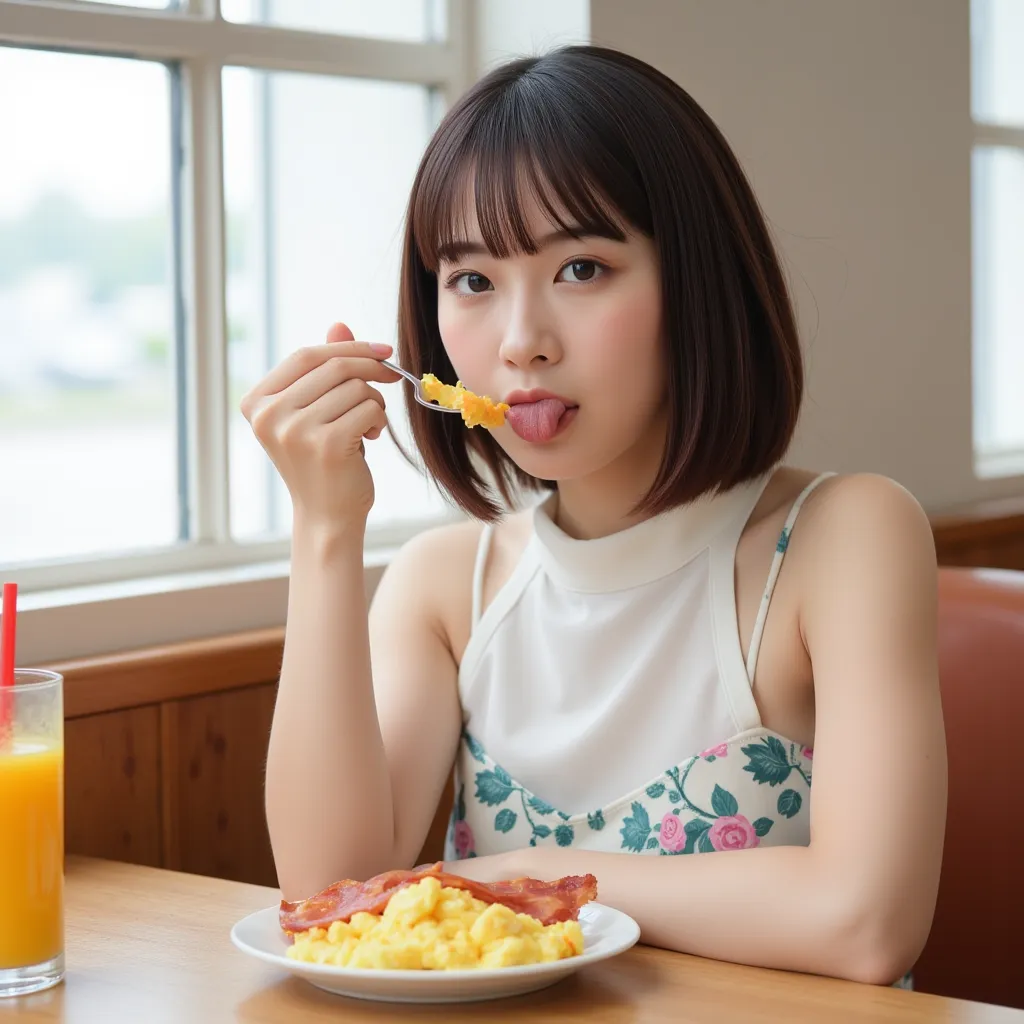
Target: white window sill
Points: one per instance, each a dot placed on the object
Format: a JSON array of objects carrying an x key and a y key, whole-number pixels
[
  {"x": 77, "y": 622},
  {"x": 997, "y": 465}
]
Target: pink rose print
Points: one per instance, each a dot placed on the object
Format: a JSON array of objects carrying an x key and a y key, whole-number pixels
[
  {"x": 721, "y": 750},
  {"x": 672, "y": 836},
  {"x": 464, "y": 841},
  {"x": 733, "y": 832},
  {"x": 807, "y": 752}
]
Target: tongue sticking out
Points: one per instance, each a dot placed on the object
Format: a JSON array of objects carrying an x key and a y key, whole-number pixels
[{"x": 536, "y": 421}]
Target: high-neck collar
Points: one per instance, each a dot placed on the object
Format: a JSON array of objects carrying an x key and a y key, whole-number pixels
[{"x": 642, "y": 553}]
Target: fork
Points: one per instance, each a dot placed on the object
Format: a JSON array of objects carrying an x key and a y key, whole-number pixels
[{"x": 418, "y": 393}]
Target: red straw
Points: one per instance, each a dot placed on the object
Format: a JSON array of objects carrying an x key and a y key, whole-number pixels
[{"x": 8, "y": 617}]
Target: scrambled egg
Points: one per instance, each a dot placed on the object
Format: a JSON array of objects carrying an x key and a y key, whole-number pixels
[
  {"x": 428, "y": 927},
  {"x": 476, "y": 411}
]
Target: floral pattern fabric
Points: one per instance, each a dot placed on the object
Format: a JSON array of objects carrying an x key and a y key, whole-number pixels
[{"x": 749, "y": 791}]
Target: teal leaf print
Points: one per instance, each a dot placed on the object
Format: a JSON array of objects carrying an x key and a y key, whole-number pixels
[
  {"x": 723, "y": 803},
  {"x": 564, "y": 816},
  {"x": 636, "y": 829},
  {"x": 541, "y": 831},
  {"x": 596, "y": 820},
  {"x": 657, "y": 827},
  {"x": 474, "y": 748},
  {"x": 783, "y": 541},
  {"x": 540, "y": 807},
  {"x": 505, "y": 821},
  {"x": 564, "y": 835},
  {"x": 790, "y": 802},
  {"x": 694, "y": 829},
  {"x": 652, "y": 843},
  {"x": 491, "y": 788},
  {"x": 655, "y": 790},
  {"x": 460, "y": 805},
  {"x": 675, "y": 796},
  {"x": 768, "y": 761},
  {"x": 763, "y": 826},
  {"x": 704, "y": 844}
]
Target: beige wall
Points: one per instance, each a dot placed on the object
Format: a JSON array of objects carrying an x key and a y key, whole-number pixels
[
  {"x": 852, "y": 118},
  {"x": 504, "y": 29}
]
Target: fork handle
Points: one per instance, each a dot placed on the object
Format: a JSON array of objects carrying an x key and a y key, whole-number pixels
[{"x": 405, "y": 373}]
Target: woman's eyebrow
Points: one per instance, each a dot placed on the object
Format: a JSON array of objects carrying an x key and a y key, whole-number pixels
[{"x": 452, "y": 252}]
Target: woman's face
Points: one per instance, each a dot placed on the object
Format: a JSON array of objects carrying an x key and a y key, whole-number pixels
[{"x": 570, "y": 337}]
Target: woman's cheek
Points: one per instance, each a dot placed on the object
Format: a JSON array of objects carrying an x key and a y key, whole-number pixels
[{"x": 456, "y": 329}]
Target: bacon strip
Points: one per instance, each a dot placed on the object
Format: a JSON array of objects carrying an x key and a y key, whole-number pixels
[{"x": 548, "y": 902}]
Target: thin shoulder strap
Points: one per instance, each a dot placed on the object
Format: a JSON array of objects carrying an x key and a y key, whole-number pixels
[
  {"x": 482, "y": 550},
  {"x": 773, "y": 575}
]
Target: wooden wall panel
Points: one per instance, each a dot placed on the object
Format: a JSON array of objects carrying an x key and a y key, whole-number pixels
[
  {"x": 987, "y": 535},
  {"x": 154, "y": 674},
  {"x": 214, "y": 756},
  {"x": 112, "y": 785},
  {"x": 1001, "y": 552}
]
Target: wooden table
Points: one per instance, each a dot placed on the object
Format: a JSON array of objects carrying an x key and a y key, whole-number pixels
[{"x": 146, "y": 946}]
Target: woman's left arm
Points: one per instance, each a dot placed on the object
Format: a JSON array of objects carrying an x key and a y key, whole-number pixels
[{"x": 858, "y": 902}]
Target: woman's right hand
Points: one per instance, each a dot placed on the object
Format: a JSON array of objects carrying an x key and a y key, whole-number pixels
[{"x": 311, "y": 413}]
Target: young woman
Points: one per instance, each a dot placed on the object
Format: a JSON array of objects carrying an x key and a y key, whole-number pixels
[{"x": 636, "y": 675}]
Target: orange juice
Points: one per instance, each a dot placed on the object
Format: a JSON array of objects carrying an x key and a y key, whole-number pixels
[{"x": 31, "y": 851}]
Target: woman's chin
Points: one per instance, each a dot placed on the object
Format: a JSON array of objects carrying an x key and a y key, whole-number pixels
[{"x": 555, "y": 466}]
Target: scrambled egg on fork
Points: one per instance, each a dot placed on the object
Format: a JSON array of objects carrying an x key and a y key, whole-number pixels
[
  {"x": 477, "y": 411},
  {"x": 429, "y": 927}
]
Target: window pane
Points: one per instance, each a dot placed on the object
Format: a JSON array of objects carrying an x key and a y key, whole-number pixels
[
  {"x": 998, "y": 299},
  {"x": 317, "y": 174},
  {"x": 997, "y": 54},
  {"x": 409, "y": 20},
  {"x": 87, "y": 422}
]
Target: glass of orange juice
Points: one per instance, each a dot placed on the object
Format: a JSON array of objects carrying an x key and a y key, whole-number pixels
[{"x": 31, "y": 832}]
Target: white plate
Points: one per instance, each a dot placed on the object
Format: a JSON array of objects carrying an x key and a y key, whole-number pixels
[{"x": 606, "y": 933}]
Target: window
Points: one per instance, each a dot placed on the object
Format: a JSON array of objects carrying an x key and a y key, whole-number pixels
[
  {"x": 87, "y": 321},
  {"x": 997, "y": 38},
  {"x": 314, "y": 217},
  {"x": 189, "y": 191}
]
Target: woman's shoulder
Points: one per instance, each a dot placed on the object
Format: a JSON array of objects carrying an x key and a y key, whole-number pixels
[
  {"x": 839, "y": 498},
  {"x": 453, "y": 547},
  {"x": 850, "y": 504},
  {"x": 436, "y": 567},
  {"x": 865, "y": 520}
]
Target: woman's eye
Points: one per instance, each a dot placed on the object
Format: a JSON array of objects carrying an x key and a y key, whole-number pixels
[
  {"x": 471, "y": 284},
  {"x": 580, "y": 271}
]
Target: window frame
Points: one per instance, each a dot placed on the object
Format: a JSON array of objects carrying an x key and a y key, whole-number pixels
[
  {"x": 990, "y": 462},
  {"x": 196, "y": 43}
]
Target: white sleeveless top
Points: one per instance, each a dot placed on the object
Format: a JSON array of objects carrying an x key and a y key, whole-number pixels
[{"x": 607, "y": 703}]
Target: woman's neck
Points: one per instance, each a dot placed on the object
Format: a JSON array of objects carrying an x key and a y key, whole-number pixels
[{"x": 603, "y": 503}]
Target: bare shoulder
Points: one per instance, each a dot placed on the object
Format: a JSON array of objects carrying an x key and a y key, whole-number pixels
[
  {"x": 865, "y": 512},
  {"x": 451, "y": 549},
  {"x": 866, "y": 548},
  {"x": 439, "y": 554},
  {"x": 431, "y": 576}
]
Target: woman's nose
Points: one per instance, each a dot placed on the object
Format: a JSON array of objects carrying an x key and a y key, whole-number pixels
[{"x": 529, "y": 338}]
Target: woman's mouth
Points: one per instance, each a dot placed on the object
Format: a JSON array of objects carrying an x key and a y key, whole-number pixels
[{"x": 538, "y": 416}]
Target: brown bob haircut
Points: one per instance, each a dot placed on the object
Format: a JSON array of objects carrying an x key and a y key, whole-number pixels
[{"x": 603, "y": 141}]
